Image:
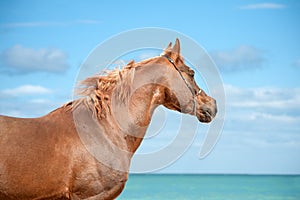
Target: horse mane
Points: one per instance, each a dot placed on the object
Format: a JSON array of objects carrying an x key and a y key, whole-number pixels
[{"x": 96, "y": 92}]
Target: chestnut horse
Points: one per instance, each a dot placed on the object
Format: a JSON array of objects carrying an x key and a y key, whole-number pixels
[{"x": 83, "y": 149}]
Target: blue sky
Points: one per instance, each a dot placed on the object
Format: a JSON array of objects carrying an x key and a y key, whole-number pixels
[{"x": 255, "y": 45}]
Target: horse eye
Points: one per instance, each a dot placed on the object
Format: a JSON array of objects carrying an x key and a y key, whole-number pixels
[{"x": 192, "y": 73}]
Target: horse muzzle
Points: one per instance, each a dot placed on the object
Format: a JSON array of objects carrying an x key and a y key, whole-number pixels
[{"x": 207, "y": 112}]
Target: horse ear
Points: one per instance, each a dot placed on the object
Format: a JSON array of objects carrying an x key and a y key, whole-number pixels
[
  {"x": 169, "y": 46},
  {"x": 176, "y": 48}
]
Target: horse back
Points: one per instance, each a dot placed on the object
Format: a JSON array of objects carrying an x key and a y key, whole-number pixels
[{"x": 32, "y": 151}]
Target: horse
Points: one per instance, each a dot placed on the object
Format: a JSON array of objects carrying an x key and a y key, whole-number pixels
[{"x": 82, "y": 150}]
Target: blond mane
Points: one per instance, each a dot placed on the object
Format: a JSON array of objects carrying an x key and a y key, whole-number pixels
[{"x": 95, "y": 92}]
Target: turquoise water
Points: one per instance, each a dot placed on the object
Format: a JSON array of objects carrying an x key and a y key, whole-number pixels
[{"x": 212, "y": 187}]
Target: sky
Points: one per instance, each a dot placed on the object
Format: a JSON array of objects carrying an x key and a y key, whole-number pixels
[{"x": 255, "y": 45}]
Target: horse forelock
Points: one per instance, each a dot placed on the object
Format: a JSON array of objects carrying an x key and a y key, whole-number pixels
[{"x": 176, "y": 57}]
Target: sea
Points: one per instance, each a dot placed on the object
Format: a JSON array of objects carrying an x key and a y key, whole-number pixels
[{"x": 211, "y": 187}]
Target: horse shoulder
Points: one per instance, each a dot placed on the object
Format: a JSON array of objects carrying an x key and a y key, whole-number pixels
[{"x": 91, "y": 177}]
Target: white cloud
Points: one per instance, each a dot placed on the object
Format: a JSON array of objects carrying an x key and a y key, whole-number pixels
[
  {"x": 239, "y": 58},
  {"x": 40, "y": 101},
  {"x": 27, "y": 107},
  {"x": 48, "y": 23},
  {"x": 279, "y": 118},
  {"x": 263, "y": 6},
  {"x": 19, "y": 59},
  {"x": 263, "y": 97},
  {"x": 31, "y": 24},
  {"x": 26, "y": 90},
  {"x": 27, "y": 101},
  {"x": 262, "y": 109},
  {"x": 264, "y": 118}
]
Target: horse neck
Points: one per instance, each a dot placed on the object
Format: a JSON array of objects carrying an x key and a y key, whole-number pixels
[{"x": 134, "y": 116}]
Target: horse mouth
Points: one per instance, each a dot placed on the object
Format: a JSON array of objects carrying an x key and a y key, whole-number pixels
[{"x": 206, "y": 115}]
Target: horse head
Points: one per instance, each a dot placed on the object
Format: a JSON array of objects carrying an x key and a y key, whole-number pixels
[{"x": 183, "y": 94}]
